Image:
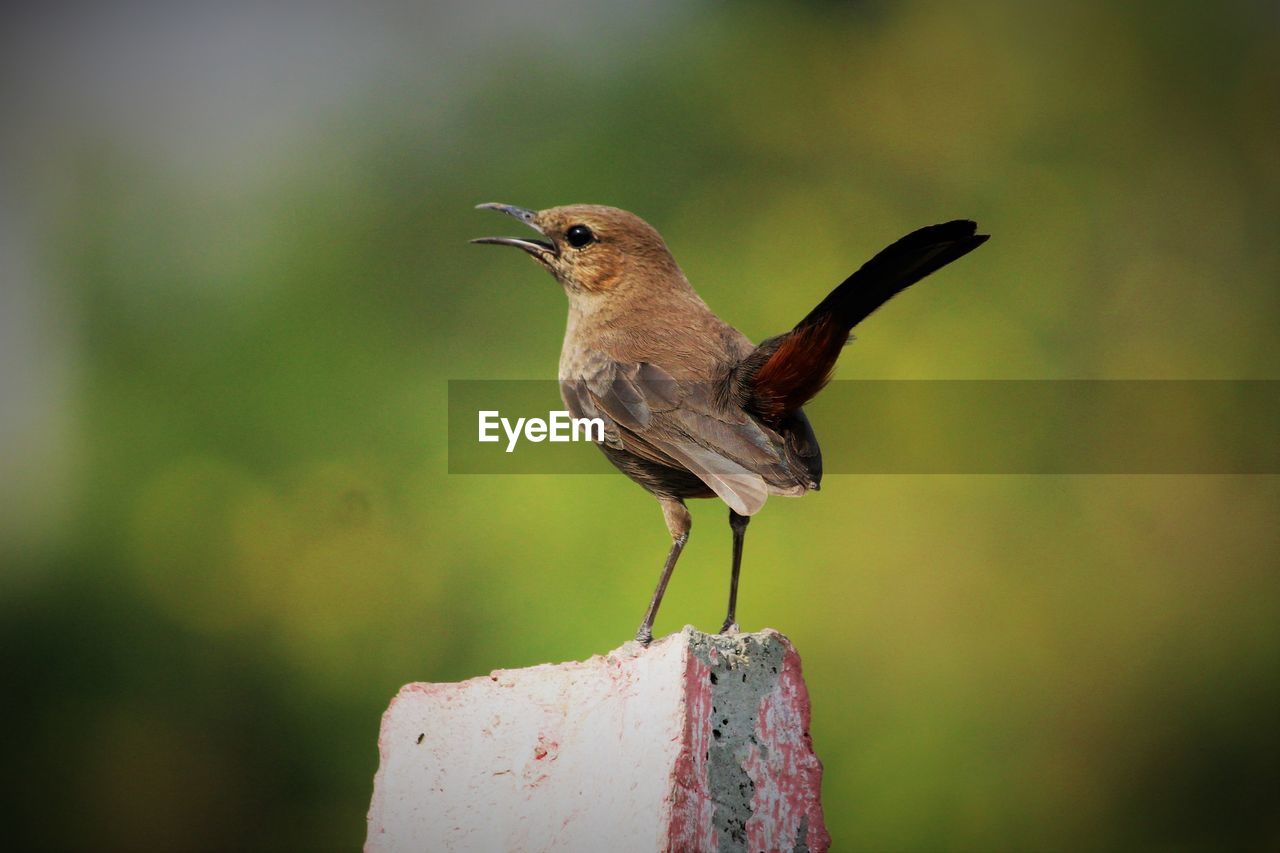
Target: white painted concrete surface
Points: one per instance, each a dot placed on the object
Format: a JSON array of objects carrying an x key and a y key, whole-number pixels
[{"x": 698, "y": 742}]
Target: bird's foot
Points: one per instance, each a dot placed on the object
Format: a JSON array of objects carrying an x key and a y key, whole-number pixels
[
  {"x": 644, "y": 636},
  {"x": 729, "y": 627}
]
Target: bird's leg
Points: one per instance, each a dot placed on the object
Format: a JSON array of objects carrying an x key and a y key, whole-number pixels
[
  {"x": 678, "y": 522},
  {"x": 738, "y": 524}
]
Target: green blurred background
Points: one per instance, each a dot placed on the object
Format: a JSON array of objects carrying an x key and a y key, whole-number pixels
[{"x": 236, "y": 281}]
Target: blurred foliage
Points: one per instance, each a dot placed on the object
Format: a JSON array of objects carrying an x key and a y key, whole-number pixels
[{"x": 263, "y": 543}]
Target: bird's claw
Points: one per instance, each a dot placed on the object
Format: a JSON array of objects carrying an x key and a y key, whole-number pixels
[{"x": 729, "y": 627}]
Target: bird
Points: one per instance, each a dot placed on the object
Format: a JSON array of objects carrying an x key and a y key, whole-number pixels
[{"x": 691, "y": 407}]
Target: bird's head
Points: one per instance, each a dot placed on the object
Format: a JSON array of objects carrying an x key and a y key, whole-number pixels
[{"x": 589, "y": 248}]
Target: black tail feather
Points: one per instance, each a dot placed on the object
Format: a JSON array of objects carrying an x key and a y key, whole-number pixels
[
  {"x": 894, "y": 269},
  {"x": 786, "y": 371}
]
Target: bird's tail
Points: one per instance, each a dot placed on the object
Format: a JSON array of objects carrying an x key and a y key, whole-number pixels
[{"x": 786, "y": 371}]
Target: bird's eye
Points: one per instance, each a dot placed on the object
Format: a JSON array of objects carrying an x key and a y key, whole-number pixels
[{"x": 579, "y": 236}]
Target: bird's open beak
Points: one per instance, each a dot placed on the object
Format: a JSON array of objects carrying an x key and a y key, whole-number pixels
[{"x": 540, "y": 249}]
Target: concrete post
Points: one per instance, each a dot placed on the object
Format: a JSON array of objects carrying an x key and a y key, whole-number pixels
[{"x": 698, "y": 743}]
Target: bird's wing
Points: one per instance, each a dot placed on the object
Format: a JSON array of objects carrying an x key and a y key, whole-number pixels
[{"x": 683, "y": 425}]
